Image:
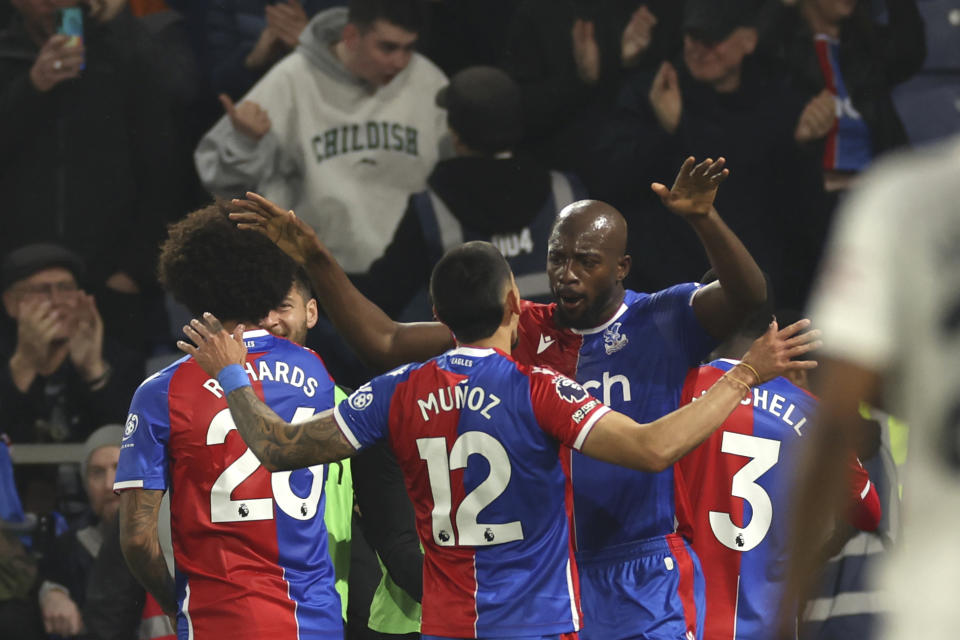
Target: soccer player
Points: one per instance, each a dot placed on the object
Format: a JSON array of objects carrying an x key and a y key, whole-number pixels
[
  {"x": 733, "y": 495},
  {"x": 631, "y": 350},
  {"x": 250, "y": 547},
  {"x": 478, "y": 437}
]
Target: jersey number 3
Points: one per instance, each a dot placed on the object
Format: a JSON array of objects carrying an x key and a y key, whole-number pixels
[
  {"x": 469, "y": 532},
  {"x": 763, "y": 454},
  {"x": 223, "y": 508}
]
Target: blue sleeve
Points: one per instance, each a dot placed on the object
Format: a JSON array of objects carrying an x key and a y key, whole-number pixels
[
  {"x": 364, "y": 417},
  {"x": 143, "y": 451},
  {"x": 677, "y": 323}
]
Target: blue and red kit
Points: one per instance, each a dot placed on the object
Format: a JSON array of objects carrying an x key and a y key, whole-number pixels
[
  {"x": 250, "y": 547},
  {"x": 734, "y": 500},
  {"x": 480, "y": 441},
  {"x": 640, "y": 580}
]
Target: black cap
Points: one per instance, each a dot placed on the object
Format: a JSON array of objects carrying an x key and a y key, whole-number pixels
[
  {"x": 26, "y": 261},
  {"x": 484, "y": 108},
  {"x": 714, "y": 20}
]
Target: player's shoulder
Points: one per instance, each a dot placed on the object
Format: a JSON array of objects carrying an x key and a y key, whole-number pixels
[
  {"x": 536, "y": 313},
  {"x": 159, "y": 381},
  {"x": 681, "y": 294}
]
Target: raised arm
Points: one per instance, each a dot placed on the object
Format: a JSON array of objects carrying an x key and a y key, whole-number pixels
[
  {"x": 740, "y": 287},
  {"x": 140, "y": 543},
  {"x": 279, "y": 445},
  {"x": 382, "y": 343},
  {"x": 657, "y": 445}
]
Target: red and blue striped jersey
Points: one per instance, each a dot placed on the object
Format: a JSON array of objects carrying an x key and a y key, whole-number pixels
[
  {"x": 250, "y": 547},
  {"x": 478, "y": 438},
  {"x": 635, "y": 363},
  {"x": 848, "y": 145},
  {"x": 733, "y": 493}
]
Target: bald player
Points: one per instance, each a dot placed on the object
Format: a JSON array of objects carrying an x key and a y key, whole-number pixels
[{"x": 631, "y": 350}]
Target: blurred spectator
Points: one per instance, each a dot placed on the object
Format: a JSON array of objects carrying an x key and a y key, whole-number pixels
[
  {"x": 344, "y": 129},
  {"x": 466, "y": 33},
  {"x": 570, "y": 58},
  {"x": 87, "y": 151},
  {"x": 718, "y": 99},
  {"x": 70, "y": 569},
  {"x": 484, "y": 193},
  {"x": 60, "y": 377},
  {"x": 247, "y": 37},
  {"x": 846, "y": 65}
]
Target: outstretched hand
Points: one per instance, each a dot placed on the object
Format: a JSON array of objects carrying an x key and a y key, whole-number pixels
[
  {"x": 294, "y": 236},
  {"x": 772, "y": 354},
  {"x": 215, "y": 348},
  {"x": 695, "y": 188}
]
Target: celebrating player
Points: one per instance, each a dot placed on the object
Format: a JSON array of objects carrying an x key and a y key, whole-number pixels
[
  {"x": 478, "y": 438},
  {"x": 250, "y": 547},
  {"x": 630, "y": 349},
  {"x": 733, "y": 493}
]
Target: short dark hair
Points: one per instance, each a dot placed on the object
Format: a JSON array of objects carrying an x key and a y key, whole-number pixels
[
  {"x": 207, "y": 264},
  {"x": 407, "y": 14},
  {"x": 467, "y": 287},
  {"x": 302, "y": 282}
]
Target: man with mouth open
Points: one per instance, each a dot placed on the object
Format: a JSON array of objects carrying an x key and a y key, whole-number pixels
[{"x": 631, "y": 350}]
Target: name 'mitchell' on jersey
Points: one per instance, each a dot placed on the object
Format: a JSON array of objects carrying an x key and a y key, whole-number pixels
[
  {"x": 733, "y": 495},
  {"x": 250, "y": 547},
  {"x": 478, "y": 437}
]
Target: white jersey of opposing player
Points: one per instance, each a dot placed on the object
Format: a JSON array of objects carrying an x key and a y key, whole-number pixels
[{"x": 889, "y": 300}]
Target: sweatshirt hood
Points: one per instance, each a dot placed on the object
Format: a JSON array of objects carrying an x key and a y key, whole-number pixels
[
  {"x": 491, "y": 195},
  {"x": 317, "y": 40}
]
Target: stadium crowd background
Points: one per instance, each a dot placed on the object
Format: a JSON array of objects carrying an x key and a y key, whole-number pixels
[{"x": 105, "y": 143}]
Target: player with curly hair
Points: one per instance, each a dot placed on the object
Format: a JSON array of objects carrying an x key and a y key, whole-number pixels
[{"x": 250, "y": 547}]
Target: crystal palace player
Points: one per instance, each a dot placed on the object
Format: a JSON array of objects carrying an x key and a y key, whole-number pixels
[
  {"x": 478, "y": 438},
  {"x": 630, "y": 349},
  {"x": 250, "y": 547},
  {"x": 733, "y": 494}
]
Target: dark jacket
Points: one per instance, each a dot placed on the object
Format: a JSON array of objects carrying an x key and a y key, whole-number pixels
[
  {"x": 873, "y": 59},
  {"x": 486, "y": 194},
  {"x": 772, "y": 200},
  {"x": 232, "y": 29},
  {"x": 88, "y": 163},
  {"x": 63, "y": 398}
]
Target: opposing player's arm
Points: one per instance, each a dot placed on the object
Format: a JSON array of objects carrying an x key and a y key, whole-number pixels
[
  {"x": 655, "y": 446},
  {"x": 382, "y": 343},
  {"x": 278, "y": 445},
  {"x": 740, "y": 288},
  {"x": 140, "y": 542}
]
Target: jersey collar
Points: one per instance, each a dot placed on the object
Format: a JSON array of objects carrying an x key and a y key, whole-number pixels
[{"x": 603, "y": 327}]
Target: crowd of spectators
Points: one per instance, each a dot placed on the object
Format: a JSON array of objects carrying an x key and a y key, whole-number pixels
[{"x": 346, "y": 118}]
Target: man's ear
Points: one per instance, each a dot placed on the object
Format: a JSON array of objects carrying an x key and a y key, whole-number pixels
[
  {"x": 10, "y": 303},
  {"x": 312, "y": 313},
  {"x": 748, "y": 39},
  {"x": 623, "y": 267},
  {"x": 350, "y": 35},
  {"x": 513, "y": 301}
]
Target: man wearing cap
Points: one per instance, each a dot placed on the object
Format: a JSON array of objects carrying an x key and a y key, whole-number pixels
[
  {"x": 67, "y": 566},
  {"x": 345, "y": 128},
  {"x": 60, "y": 377},
  {"x": 718, "y": 98},
  {"x": 484, "y": 193}
]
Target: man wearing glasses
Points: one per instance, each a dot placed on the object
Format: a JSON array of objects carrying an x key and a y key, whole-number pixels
[{"x": 59, "y": 378}]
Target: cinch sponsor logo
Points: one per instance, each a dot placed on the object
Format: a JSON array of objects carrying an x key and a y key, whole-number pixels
[{"x": 606, "y": 387}]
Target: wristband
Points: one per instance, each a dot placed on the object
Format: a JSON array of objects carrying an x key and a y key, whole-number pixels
[
  {"x": 754, "y": 371},
  {"x": 232, "y": 377}
]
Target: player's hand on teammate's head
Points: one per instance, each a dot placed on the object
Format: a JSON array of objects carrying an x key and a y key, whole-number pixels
[
  {"x": 294, "y": 236},
  {"x": 215, "y": 348},
  {"x": 775, "y": 352}
]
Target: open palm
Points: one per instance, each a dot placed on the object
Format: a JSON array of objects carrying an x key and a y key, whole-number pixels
[
  {"x": 294, "y": 236},
  {"x": 695, "y": 188}
]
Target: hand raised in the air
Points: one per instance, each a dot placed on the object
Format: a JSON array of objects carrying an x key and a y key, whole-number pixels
[
  {"x": 695, "y": 188},
  {"x": 772, "y": 354},
  {"x": 294, "y": 236},
  {"x": 215, "y": 348}
]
